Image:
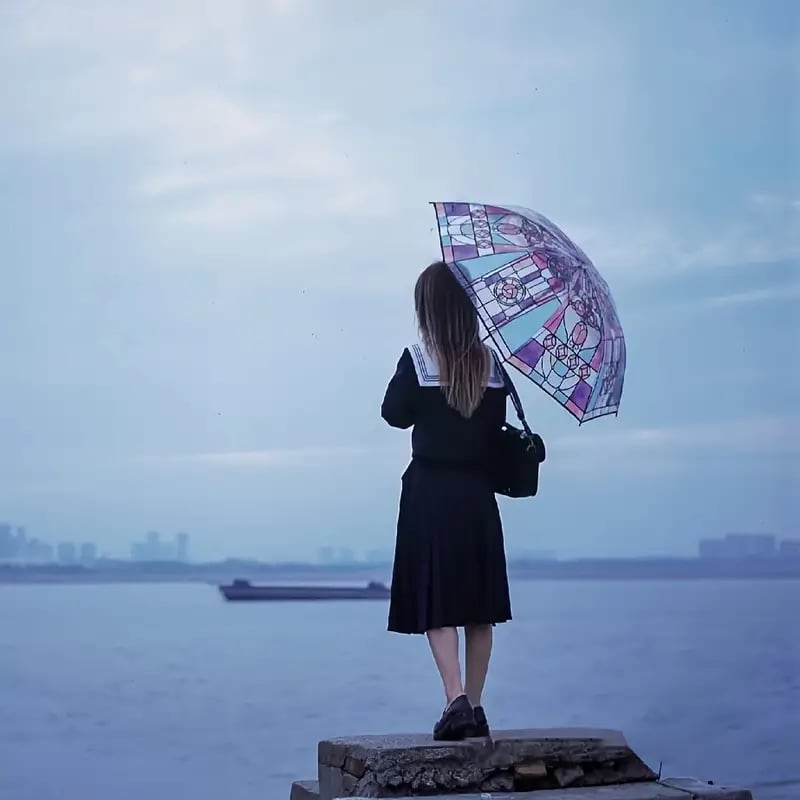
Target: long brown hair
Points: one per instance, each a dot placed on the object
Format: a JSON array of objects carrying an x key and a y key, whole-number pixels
[{"x": 448, "y": 324}]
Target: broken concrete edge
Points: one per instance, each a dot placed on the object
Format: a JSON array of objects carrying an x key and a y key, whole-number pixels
[
  {"x": 304, "y": 790},
  {"x": 408, "y": 765},
  {"x": 667, "y": 789},
  {"x": 707, "y": 789},
  {"x": 689, "y": 790},
  {"x": 333, "y": 752}
]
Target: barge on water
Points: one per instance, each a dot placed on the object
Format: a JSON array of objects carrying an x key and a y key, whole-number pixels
[{"x": 241, "y": 589}]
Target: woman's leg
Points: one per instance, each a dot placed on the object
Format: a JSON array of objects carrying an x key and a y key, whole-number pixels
[
  {"x": 478, "y": 653},
  {"x": 444, "y": 646}
]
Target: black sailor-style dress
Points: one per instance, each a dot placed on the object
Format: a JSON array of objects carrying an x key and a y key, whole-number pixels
[{"x": 449, "y": 562}]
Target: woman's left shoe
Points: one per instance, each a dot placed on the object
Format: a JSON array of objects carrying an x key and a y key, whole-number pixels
[
  {"x": 456, "y": 722},
  {"x": 481, "y": 727}
]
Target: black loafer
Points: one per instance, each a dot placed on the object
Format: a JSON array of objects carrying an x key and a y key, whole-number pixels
[
  {"x": 457, "y": 721},
  {"x": 481, "y": 727}
]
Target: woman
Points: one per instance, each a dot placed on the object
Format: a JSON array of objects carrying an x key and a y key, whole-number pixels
[{"x": 449, "y": 565}]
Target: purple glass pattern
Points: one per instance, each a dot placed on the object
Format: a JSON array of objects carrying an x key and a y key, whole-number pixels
[{"x": 541, "y": 301}]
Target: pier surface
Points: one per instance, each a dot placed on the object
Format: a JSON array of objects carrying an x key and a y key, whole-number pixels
[{"x": 549, "y": 764}]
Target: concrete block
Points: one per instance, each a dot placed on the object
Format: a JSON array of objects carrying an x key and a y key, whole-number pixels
[
  {"x": 415, "y": 765},
  {"x": 304, "y": 790}
]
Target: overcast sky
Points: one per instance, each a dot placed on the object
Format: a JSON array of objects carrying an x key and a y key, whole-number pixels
[{"x": 213, "y": 214}]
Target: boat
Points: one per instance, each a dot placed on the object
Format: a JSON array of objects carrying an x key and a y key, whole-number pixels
[{"x": 241, "y": 589}]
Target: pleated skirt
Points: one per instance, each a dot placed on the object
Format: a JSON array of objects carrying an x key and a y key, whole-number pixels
[{"x": 449, "y": 563}]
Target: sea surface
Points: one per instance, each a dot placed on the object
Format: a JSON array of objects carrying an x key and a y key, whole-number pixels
[{"x": 126, "y": 692}]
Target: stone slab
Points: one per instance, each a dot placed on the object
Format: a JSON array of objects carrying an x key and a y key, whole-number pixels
[
  {"x": 304, "y": 790},
  {"x": 631, "y": 791},
  {"x": 703, "y": 789},
  {"x": 414, "y": 765}
]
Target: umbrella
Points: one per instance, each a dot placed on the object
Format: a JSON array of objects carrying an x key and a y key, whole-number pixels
[{"x": 541, "y": 302}]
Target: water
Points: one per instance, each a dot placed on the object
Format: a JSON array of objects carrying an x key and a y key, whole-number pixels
[{"x": 136, "y": 691}]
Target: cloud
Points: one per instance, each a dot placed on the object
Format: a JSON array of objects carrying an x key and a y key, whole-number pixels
[
  {"x": 774, "y": 201},
  {"x": 200, "y": 174},
  {"x": 221, "y": 145},
  {"x": 205, "y": 147},
  {"x": 645, "y": 252},
  {"x": 673, "y": 449},
  {"x": 199, "y": 99},
  {"x": 93, "y": 473},
  {"x": 768, "y": 294},
  {"x": 775, "y": 294},
  {"x": 759, "y": 435},
  {"x": 220, "y": 211},
  {"x": 158, "y": 26},
  {"x": 741, "y": 249},
  {"x": 627, "y": 448},
  {"x": 278, "y": 458}
]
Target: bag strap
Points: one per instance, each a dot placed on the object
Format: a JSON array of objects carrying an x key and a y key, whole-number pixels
[{"x": 512, "y": 393}]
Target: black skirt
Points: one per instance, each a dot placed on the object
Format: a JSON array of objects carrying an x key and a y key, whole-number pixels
[{"x": 449, "y": 563}]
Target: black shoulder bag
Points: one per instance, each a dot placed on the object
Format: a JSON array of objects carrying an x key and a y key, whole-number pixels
[{"x": 518, "y": 453}]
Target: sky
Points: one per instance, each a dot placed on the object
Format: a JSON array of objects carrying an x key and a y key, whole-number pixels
[{"x": 213, "y": 214}]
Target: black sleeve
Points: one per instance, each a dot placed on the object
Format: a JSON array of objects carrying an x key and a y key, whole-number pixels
[
  {"x": 399, "y": 402},
  {"x": 498, "y": 364},
  {"x": 508, "y": 403}
]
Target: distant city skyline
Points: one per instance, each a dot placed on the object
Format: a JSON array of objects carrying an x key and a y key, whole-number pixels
[
  {"x": 749, "y": 545},
  {"x": 17, "y": 547},
  {"x": 154, "y": 548}
]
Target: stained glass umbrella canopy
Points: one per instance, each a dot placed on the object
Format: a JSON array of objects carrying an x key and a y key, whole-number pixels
[{"x": 543, "y": 305}]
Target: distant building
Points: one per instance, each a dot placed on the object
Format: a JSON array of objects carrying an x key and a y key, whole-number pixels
[
  {"x": 15, "y": 546},
  {"x": 182, "y": 547},
  {"x": 7, "y": 551},
  {"x": 88, "y": 553},
  {"x": 740, "y": 545},
  {"x": 790, "y": 548},
  {"x": 745, "y": 545},
  {"x": 67, "y": 553},
  {"x": 139, "y": 551},
  {"x": 47, "y": 552},
  {"x": 37, "y": 552},
  {"x": 379, "y": 557},
  {"x": 20, "y": 544},
  {"x": 154, "y": 548},
  {"x": 339, "y": 556}
]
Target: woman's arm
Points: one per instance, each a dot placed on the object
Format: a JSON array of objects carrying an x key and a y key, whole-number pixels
[{"x": 399, "y": 402}]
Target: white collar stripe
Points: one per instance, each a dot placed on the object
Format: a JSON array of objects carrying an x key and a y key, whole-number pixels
[{"x": 428, "y": 370}]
